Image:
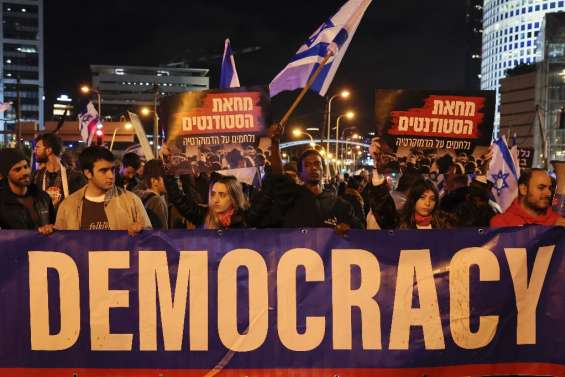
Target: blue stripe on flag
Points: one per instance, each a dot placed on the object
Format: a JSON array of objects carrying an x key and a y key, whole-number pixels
[
  {"x": 319, "y": 81},
  {"x": 228, "y": 74},
  {"x": 343, "y": 24},
  {"x": 507, "y": 157},
  {"x": 341, "y": 38},
  {"x": 320, "y": 50}
]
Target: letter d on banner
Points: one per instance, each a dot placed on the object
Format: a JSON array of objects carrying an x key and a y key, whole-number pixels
[{"x": 69, "y": 293}]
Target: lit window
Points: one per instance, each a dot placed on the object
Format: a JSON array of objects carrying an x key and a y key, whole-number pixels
[
  {"x": 24, "y": 10},
  {"x": 27, "y": 50}
]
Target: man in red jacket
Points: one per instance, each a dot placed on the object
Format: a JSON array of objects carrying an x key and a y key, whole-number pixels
[{"x": 533, "y": 204}]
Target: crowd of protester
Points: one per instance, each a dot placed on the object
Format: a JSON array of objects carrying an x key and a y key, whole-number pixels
[{"x": 95, "y": 191}]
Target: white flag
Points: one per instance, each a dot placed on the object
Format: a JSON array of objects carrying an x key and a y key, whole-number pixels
[
  {"x": 335, "y": 34},
  {"x": 228, "y": 74},
  {"x": 88, "y": 121},
  {"x": 504, "y": 172}
]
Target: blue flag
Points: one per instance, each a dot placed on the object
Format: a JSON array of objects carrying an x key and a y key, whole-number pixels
[
  {"x": 333, "y": 36},
  {"x": 228, "y": 75}
]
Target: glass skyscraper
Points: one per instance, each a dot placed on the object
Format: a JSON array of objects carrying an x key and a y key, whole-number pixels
[
  {"x": 21, "y": 53},
  {"x": 510, "y": 32}
]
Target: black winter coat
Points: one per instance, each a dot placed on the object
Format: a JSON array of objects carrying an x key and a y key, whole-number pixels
[
  {"x": 13, "y": 215},
  {"x": 295, "y": 206},
  {"x": 382, "y": 206}
]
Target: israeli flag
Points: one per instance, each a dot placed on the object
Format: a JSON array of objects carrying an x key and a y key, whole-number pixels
[
  {"x": 88, "y": 121},
  {"x": 334, "y": 35},
  {"x": 228, "y": 75},
  {"x": 504, "y": 171}
]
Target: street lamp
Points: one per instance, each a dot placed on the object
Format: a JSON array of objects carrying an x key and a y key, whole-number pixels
[
  {"x": 343, "y": 94},
  {"x": 127, "y": 126},
  {"x": 343, "y": 133},
  {"x": 86, "y": 90},
  {"x": 298, "y": 132},
  {"x": 348, "y": 115},
  {"x": 145, "y": 111}
]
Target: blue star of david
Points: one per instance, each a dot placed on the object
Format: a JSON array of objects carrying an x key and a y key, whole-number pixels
[
  {"x": 500, "y": 181},
  {"x": 326, "y": 25}
]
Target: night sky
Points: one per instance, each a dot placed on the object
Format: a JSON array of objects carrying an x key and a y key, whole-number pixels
[{"x": 399, "y": 44}]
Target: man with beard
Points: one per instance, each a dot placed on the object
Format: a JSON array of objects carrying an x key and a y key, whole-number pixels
[
  {"x": 55, "y": 178},
  {"x": 100, "y": 205},
  {"x": 533, "y": 204},
  {"x": 128, "y": 177},
  {"x": 22, "y": 204}
]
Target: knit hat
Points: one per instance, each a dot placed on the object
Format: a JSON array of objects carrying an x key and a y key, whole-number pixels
[{"x": 8, "y": 158}]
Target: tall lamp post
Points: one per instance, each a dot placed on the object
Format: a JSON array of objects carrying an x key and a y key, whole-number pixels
[
  {"x": 344, "y": 138},
  {"x": 343, "y": 94},
  {"x": 127, "y": 126},
  {"x": 155, "y": 120},
  {"x": 348, "y": 115},
  {"x": 298, "y": 132},
  {"x": 145, "y": 111}
]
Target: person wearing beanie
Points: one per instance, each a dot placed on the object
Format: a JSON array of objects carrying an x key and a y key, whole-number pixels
[{"x": 22, "y": 204}]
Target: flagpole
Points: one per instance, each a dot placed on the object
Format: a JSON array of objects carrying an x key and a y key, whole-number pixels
[{"x": 298, "y": 99}]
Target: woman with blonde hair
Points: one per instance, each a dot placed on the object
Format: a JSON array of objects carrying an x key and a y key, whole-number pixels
[{"x": 227, "y": 204}]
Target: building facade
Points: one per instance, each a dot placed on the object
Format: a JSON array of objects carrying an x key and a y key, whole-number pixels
[
  {"x": 518, "y": 108},
  {"x": 21, "y": 53},
  {"x": 123, "y": 88},
  {"x": 510, "y": 32},
  {"x": 533, "y": 99},
  {"x": 549, "y": 128}
]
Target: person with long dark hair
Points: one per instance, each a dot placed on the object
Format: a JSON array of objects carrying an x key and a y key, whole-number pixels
[{"x": 421, "y": 208}]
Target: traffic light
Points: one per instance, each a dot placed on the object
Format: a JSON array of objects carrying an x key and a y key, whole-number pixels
[{"x": 99, "y": 136}]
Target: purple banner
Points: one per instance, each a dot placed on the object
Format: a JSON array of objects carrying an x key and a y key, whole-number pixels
[{"x": 307, "y": 302}]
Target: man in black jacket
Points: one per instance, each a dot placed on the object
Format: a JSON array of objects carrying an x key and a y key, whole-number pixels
[
  {"x": 22, "y": 204},
  {"x": 309, "y": 205}
]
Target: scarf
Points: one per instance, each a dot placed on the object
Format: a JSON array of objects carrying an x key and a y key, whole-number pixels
[
  {"x": 225, "y": 218},
  {"x": 422, "y": 220}
]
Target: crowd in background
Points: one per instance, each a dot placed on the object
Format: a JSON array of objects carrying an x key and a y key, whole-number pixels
[{"x": 93, "y": 190}]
